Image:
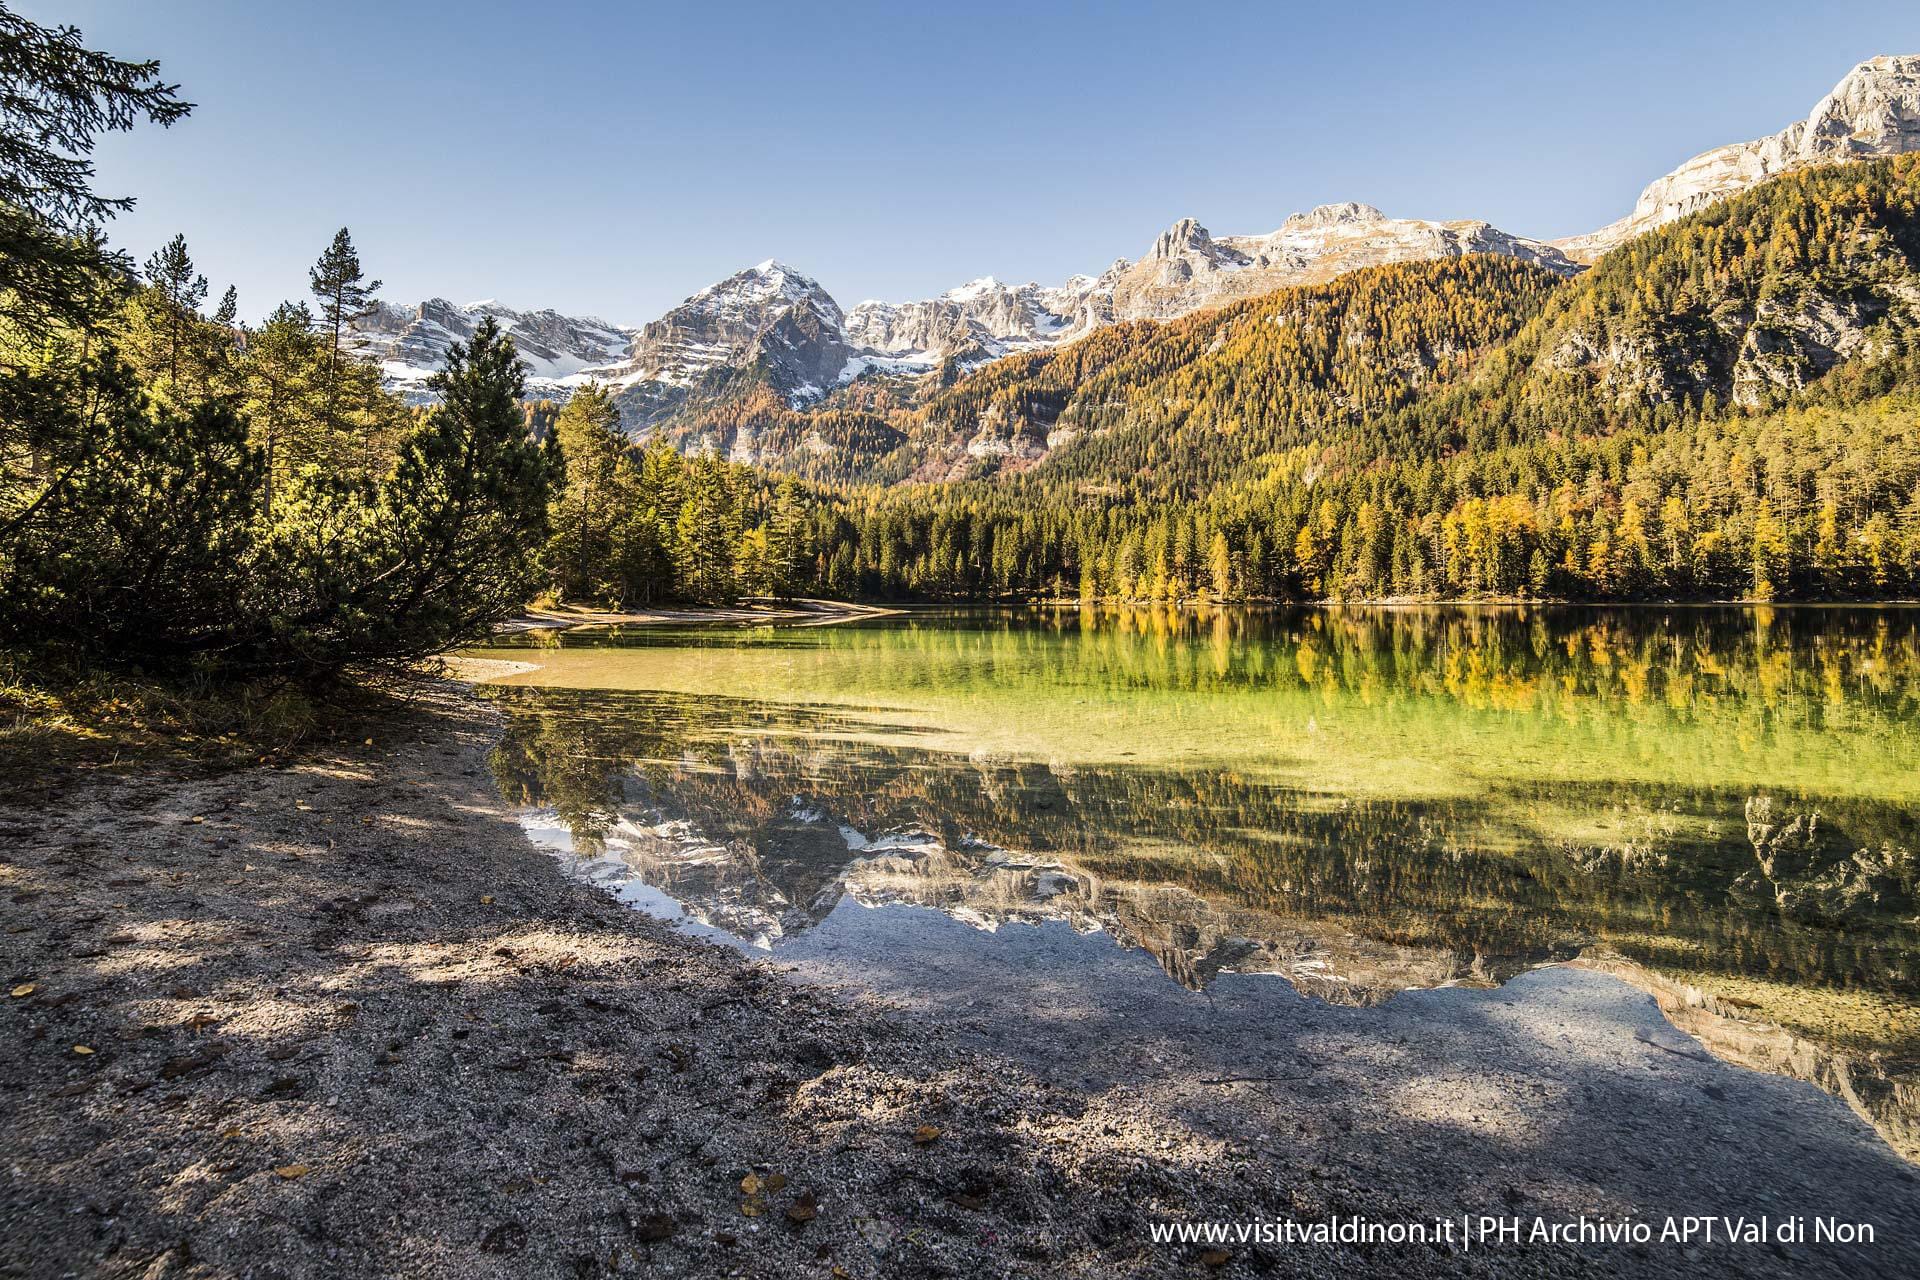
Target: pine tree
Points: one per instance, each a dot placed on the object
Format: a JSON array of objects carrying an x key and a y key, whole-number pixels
[
  {"x": 278, "y": 373},
  {"x": 56, "y": 98},
  {"x": 448, "y": 544},
  {"x": 144, "y": 557},
  {"x": 344, "y": 295},
  {"x": 180, "y": 291}
]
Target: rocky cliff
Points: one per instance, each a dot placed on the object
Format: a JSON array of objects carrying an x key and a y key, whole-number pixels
[
  {"x": 766, "y": 325},
  {"x": 982, "y": 319},
  {"x": 1874, "y": 111},
  {"x": 1188, "y": 269}
]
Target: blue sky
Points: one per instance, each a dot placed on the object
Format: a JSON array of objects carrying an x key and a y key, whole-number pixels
[{"x": 611, "y": 158}]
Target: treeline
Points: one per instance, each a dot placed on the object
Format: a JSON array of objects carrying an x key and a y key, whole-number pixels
[
  {"x": 183, "y": 494},
  {"x": 1815, "y": 502},
  {"x": 1723, "y": 409},
  {"x": 635, "y": 526}
]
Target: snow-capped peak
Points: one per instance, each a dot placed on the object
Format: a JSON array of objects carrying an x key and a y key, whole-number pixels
[
  {"x": 764, "y": 283},
  {"x": 411, "y": 342},
  {"x": 973, "y": 289}
]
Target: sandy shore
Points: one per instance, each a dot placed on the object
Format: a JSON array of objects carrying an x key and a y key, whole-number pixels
[{"x": 338, "y": 1018}]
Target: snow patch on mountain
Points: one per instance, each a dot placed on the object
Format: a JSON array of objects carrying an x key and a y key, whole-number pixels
[
  {"x": 768, "y": 322},
  {"x": 410, "y": 343}
]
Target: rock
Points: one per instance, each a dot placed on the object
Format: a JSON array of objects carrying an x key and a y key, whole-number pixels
[
  {"x": 1874, "y": 111},
  {"x": 507, "y": 1238},
  {"x": 410, "y": 343},
  {"x": 1188, "y": 269},
  {"x": 769, "y": 319},
  {"x": 981, "y": 319}
]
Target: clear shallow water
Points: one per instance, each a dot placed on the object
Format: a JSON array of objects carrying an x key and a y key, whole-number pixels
[{"x": 1359, "y": 802}]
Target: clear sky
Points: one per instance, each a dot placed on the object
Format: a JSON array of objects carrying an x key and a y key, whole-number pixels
[{"x": 611, "y": 158}]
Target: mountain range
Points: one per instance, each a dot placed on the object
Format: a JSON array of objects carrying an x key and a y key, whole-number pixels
[{"x": 773, "y": 328}]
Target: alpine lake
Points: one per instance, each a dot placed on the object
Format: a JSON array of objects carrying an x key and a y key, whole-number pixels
[{"x": 1717, "y": 805}]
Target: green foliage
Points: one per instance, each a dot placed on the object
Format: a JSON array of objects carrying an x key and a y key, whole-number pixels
[
  {"x": 56, "y": 97},
  {"x": 183, "y": 498},
  {"x": 155, "y": 548},
  {"x": 277, "y": 388},
  {"x": 634, "y": 526},
  {"x": 343, "y": 294},
  {"x": 444, "y": 546},
  {"x": 583, "y": 557},
  {"x": 145, "y": 552}
]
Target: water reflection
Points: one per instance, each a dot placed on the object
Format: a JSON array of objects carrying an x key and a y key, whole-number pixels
[{"x": 1360, "y": 801}]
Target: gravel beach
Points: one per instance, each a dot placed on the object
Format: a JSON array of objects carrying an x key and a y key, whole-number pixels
[{"x": 336, "y": 1017}]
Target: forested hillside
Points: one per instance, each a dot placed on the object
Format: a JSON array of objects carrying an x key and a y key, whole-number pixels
[{"x": 1723, "y": 408}]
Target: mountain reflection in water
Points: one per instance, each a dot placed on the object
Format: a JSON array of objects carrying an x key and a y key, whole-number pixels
[{"x": 1362, "y": 801}]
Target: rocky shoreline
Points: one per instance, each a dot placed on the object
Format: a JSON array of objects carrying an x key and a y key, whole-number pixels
[{"x": 335, "y": 1017}]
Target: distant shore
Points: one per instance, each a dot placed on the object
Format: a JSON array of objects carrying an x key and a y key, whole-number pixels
[
  {"x": 1411, "y": 602},
  {"x": 792, "y": 612},
  {"x": 814, "y": 612}
]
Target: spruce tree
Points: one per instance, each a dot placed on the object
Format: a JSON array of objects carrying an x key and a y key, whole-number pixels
[
  {"x": 707, "y": 533},
  {"x": 588, "y": 506},
  {"x": 786, "y": 538}
]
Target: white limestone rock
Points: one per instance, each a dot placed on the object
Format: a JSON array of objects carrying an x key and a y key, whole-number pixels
[
  {"x": 1187, "y": 269},
  {"x": 1874, "y": 111}
]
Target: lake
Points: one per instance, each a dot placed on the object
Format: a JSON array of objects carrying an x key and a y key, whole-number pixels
[{"x": 1718, "y": 805}]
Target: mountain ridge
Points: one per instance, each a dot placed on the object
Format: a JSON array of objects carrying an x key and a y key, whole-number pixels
[
  {"x": 774, "y": 327},
  {"x": 1873, "y": 111},
  {"x": 773, "y": 324}
]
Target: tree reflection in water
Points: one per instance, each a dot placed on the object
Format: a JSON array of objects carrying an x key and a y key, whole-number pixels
[{"x": 1362, "y": 800}]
